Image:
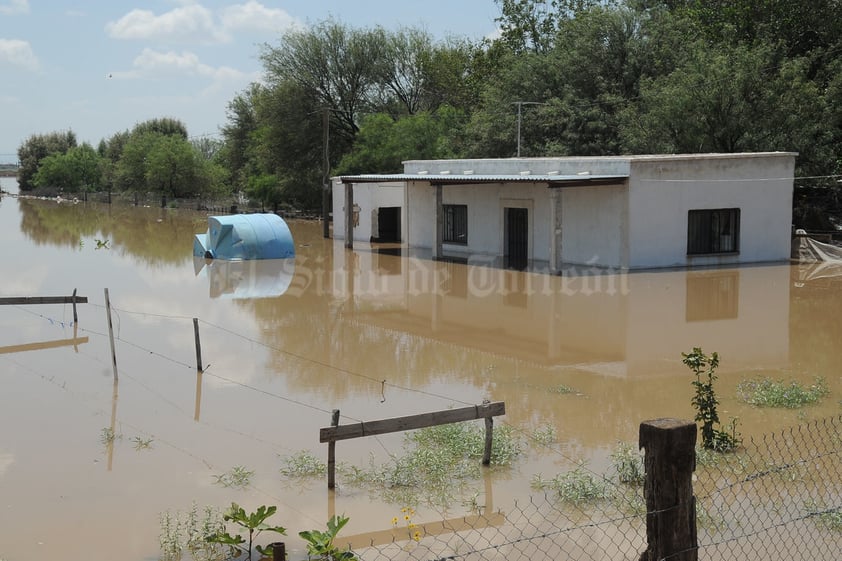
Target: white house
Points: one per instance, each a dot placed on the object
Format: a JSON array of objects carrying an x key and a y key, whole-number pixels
[{"x": 627, "y": 212}]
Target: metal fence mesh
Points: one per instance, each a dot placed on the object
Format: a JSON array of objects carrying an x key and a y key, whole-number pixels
[{"x": 778, "y": 498}]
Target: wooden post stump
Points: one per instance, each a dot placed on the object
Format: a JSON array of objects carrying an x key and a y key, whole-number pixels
[{"x": 670, "y": 460}]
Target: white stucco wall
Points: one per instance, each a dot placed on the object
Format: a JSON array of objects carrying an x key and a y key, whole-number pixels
[
  {"x": 485, "y": 216},
  {"x": 663, "y": 189},
  {"x": 594, "y": 225},
  {"x": 369, "y": 197}
]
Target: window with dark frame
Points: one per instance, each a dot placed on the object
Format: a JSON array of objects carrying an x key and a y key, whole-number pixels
[
  {"x": 713, "y": 231},
  {"x": 455, "y": 224}
]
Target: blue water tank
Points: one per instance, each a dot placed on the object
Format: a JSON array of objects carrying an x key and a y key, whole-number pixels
[{"x": 245, "y": 236}]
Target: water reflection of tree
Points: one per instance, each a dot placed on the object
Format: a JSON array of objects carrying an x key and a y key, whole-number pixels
[{"x": 154, "y": 236}]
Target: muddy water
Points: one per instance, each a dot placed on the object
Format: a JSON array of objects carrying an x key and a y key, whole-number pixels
[{"x": 370, "y": 333}]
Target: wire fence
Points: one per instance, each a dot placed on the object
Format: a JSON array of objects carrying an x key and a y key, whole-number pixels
[{"x": 778, "y": 498}]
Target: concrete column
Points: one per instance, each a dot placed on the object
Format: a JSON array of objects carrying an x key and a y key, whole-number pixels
[
  {"x": 437, "y": 245},
  {"x": 555, "y": 230},
  {"x": 349, "y": 215}
]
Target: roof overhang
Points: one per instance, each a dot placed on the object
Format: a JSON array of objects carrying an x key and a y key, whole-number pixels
[{"x": 550, "y": 180}]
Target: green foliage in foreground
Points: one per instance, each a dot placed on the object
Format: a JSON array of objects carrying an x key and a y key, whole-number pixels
[
  {"x": 254, "y": 523},
  {"x": 320, "y": 545},
  {"x": 766, "y": 392}
]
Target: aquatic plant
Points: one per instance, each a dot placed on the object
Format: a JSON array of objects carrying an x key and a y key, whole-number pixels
[
  {"x": 439, "y": 463},
  {"x": 829, "y": 518},
  {"x": 237, "y": 476},
  {"x": 141, "y": 443},
  {"x": 182, "y": 532},
  {"x": 303, "y": 464},
  {"x": 628, "y": 463},
  {"x": 766, "y": 392},
  {"x": 578, "y": 487},
  {"x": 545, "y": 435}
]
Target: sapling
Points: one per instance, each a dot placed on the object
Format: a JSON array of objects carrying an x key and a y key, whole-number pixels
[
  {"x": 705, "y": 401},
  {"x": 255, "y": 523}
]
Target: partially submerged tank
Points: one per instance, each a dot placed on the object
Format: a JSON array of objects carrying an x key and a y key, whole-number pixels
[{"x": 245, "y": 236}]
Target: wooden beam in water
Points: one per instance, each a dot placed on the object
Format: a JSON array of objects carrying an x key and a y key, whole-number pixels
[
  {"x": 43, "y": 345},
  {"x": 411, "y": 422},
  {"x": 28, "y": 300}
]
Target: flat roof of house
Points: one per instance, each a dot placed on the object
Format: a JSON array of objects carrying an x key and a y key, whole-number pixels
[{"x": 552, "y": 180}]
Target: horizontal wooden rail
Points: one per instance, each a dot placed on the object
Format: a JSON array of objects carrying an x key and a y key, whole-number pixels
[
  {"x": 26, "y": 300},
  {"x": 335, "y": 432},
  {"x": 411, "y": 422},
  {"x": 43, "y": 345}
]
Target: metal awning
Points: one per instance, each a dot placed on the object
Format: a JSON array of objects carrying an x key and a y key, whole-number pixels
[{"x": 552, "y": 180}]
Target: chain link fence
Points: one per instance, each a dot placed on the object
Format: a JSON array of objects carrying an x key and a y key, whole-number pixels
[{"x": 778, "y": 498}]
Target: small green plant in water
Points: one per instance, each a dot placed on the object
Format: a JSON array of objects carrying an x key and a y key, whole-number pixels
[
  {"x": 254, "y": 523},
  {"x": 102, "y": 244},
  {"x": 303, "y": 464},
  {"x": 320, "y": 545},
  {"x": 705, "y": 402},
  {"x": 237, "y": 477},
  {"x": 577, "y": 487},
  {"x": 824, "y": 517},
  {"x": 141, "y": 443},
  {"x": 765, "y": 392},
  {"x": 628, "y": 462}
]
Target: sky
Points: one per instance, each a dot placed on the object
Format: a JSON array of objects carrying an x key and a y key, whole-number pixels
[{"x": 98, "y": 67}]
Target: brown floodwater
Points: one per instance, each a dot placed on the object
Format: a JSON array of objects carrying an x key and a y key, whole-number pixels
[{"x": 373, "y": 333}]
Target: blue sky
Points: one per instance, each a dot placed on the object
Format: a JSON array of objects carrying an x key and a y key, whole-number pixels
[{"x": 100, "y": 67}]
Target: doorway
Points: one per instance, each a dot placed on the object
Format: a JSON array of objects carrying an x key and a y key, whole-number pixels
[
  {"x": 389, "y": 224},
  {"x": 516, "y": 238}
]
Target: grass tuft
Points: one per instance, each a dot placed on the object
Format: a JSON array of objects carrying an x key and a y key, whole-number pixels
[{"x": 766, "y": 392}]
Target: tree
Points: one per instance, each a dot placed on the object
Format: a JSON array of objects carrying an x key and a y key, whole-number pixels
[
  {"x": 337, "y": 66},
  {"x": 165, "y": 125},
  {"x": 36, "y": 148},
  {"x": 384, "y": 143},
  {"x": 79, "y": 170}
]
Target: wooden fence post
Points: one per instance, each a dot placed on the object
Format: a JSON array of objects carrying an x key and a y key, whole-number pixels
[
  {"x": 198, "y": 344},
  {"x": 670, "y": 460},
  {"x": 75, "y": 315},
  {"x": 111, "y": 333},
  {"x": 331, "y": 452}
]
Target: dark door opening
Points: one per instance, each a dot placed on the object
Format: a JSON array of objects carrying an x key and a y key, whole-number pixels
[
  {"x": 516, "y": 242},
  {"x": 389, "y": 224}
]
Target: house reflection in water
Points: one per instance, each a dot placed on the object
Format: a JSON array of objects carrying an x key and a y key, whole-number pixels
[{"x": 616, "y": 324}]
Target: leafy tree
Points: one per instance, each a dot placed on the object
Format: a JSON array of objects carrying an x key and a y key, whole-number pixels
[
  {"x": 37, "y": 147},
  {"x": 336, "y": 65},
  {"x": 384, "y": 143},
  {"x": 266, "y": 189},
  {"x": 80, "y": 169},
  {"x": 166, "y": 126}
]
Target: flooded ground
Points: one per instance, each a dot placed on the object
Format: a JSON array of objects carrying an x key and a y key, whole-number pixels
[{"x": 371, "y": 333}]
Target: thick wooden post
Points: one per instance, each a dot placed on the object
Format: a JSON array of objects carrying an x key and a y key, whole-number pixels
[
  {"x": 489, "y": 434},
  {"x": 279, "y": 551},
  {"x": 670, "y": 460},
  {"x": 331, "y": 452},
  {"x": 75, "y": 315}
]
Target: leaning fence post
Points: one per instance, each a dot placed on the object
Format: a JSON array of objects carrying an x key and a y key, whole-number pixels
[
  {"x": 111, "y": 333},
  {"x": 489, "y": 435},
  {"x": 670, "y": 460},
  {"x": 198, "y": 344},
  {"x": 331, "y": 452}
]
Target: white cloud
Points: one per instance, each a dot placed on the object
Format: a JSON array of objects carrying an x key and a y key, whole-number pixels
[
  {"x": 18, "y": 53},
  {"x": 10, "y": 7},
  {"x": 254, "y": 16},
  {"x": 190, "y": 23},
  {"x": 152, "y": 63}
]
